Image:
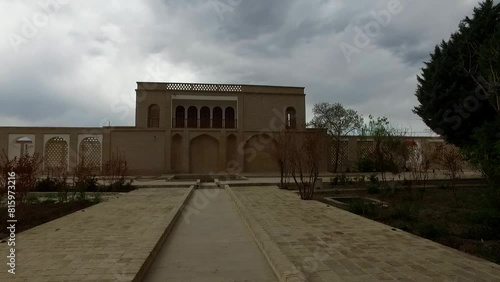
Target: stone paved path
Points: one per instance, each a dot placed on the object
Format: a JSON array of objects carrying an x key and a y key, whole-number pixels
[
  {"x": 330, "y": 244},
  {"x": 107, "y": 242},
  {"x": 210, "y": 242}
]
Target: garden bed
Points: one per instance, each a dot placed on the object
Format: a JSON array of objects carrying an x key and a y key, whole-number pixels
[
  {"x": 470, "y": 223},
  {"x": 30, "y": 215}
]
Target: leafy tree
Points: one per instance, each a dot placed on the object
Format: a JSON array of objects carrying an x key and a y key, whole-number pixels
[
  {"x": 458, "y": 87},
  {"x": 338, "y": 121},
  {"x": 391, "y": 151}
]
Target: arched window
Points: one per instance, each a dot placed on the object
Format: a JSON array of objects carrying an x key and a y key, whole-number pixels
[
  {"x": 91, "y": 153},
  {"x": 180, "y": 116},
  {"x": 229, "y": 117},
  {"x": 154, "y": 116},
  {"x": 291, "y": 121},
  {"x": 205, "y": 117},
  {"x": 217, "y": 118},
  {"x": 56, "y": 154},
  {"x": 192, "y": 117}
]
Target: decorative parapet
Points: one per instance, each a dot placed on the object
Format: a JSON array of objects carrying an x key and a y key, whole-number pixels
[{"x": 207, "y": 87}]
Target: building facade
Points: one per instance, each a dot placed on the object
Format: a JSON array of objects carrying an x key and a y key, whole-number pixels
[{"x": 179, "y": 128}]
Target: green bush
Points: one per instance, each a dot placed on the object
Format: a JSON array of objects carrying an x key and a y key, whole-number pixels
[
  {"x": 62, "y": 194},
  {"x": 361, "y": 207},
  {"x": 343, "y": 179},
  {"x": 97, "y": 198},
  {"x": 374, "y": 179},
  {"x": 366, "y": 165},
  {"x": 32, "y": 199},
  {"x": 47, "y": 185},
  {"x": 121, "y": 185}
]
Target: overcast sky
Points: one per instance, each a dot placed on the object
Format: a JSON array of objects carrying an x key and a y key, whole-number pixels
[{"x": 77, "y": 63}]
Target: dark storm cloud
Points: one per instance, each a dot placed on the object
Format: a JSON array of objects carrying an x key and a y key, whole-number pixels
[{"x": 81, "y": 68}]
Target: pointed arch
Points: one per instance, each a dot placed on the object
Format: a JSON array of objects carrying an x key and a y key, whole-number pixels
[{"x": 154, "y": 116}]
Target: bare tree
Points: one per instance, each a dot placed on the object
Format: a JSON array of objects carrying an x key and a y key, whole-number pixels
[
  {"x": 281, "y": 153},
  {"x": 304, "y": 156},
  {"x": 452, "y": 161},
  {"x": 338, "y": 121},
  {"x": 115, "y": 170},
  {"x": 420, "y": 160}
]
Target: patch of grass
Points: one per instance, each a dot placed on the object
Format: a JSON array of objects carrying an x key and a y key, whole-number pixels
[
  {"x": 361, "y": 207},
  {"x": 405, "y": 212},
  {"x": 32, "y": 199},
  {"x": 431, "y": 230}
]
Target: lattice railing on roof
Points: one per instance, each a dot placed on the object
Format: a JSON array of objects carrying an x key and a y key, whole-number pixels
[
  {"x": 204, "y": 87},
  {"x": 56, "y": 154},
  {"x": 90, "y": 153}
]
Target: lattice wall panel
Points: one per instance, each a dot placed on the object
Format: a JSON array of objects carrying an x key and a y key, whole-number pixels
[
  {"x": 365, "y": 148},
  {"x": 90, "y": 153},
  {"x": 56, "y": 154},
  {"x": 343, "y": 163}
]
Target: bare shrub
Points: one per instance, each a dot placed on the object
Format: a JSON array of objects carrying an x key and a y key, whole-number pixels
[
  {"x": 421, "y": 158},
  {"x": 6, "y": 166},
  {"x": 281, "y": 153},
  {"x": 304, "y": 162},
  {"x": 84, "y": 180},
  {"x": 452, "y": 161},
  {"x": 27, "y": 169},
  {"x": 115, "y": 171}
]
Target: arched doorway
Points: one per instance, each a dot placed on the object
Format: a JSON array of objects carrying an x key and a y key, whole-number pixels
[
  {"x": 258, "y": 156},
  {"x": 204, "y": 154}
]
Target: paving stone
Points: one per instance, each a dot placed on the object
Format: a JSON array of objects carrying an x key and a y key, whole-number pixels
[
  {"x": 108, "y": 242},
  {"x": 349, "y": 247}
]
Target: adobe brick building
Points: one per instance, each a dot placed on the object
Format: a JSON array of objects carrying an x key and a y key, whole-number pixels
[{"x": 179, "y": 128}]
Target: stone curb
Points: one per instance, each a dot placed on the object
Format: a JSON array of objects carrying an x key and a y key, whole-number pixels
[
  {"x": 282, "y": 267},
  {"x": 173, "y": 216}
]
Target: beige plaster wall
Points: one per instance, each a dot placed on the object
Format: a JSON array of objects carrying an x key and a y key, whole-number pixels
[{"x": 144, "y": 149}]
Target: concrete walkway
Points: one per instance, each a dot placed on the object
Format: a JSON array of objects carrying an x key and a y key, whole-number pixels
[{"x": 210, "y": 242}]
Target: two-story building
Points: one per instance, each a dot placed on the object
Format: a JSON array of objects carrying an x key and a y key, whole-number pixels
[{"x": 179, "y": 128}]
